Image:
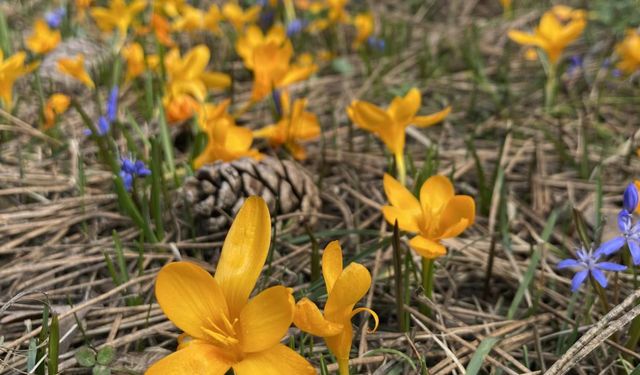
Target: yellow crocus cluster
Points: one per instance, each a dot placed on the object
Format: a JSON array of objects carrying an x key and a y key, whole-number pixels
[
  {"x": 188, "y": 80},
  {"x": 269, "y": 57},
  {"x": 137, "y": 62},
  {"x": 225, "y": 140}
]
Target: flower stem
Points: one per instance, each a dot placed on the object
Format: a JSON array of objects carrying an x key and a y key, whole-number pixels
[
  {"x": 428, "y": 268},
  {"x": 343, "y": 366},
  {"x": 601, "y": 295},
  {"x": 398, "y": 280},
  {"x": 401, "y": 168},
  {"x": 550, "y": 87}
]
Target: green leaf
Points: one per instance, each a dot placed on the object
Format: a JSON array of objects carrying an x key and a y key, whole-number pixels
[
  {"x": 106, "y": 355},
  {"x": 86, "y": 357},
  {"x": 54, "y": 342},
  {"x": 475, "y": 364},
  {"x": 342, "y": 66}
]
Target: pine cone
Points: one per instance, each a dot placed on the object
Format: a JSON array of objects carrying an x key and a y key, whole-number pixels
[{"x": 217, "y": 191}]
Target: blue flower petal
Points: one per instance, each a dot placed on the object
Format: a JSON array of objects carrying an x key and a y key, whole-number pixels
[
  {"x": 610, "y": 246},
  {"x": 610, "y": 266},
  {"x": 568, "y": 263},
  {"x": 630, "y": 198},
  {"x": 578, "y": 279},
  {"x": 599, "y": 276},
  {"x": 634, "y": 248}
]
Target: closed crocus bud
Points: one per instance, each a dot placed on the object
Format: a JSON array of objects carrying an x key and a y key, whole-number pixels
[{"x": 630, "y": 198}]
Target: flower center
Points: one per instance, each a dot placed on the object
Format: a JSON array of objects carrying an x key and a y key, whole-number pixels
[{"x": 223, "y": 335}]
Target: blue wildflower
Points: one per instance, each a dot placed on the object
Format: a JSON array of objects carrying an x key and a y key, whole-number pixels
[
  {"x": 376, "y": 43},
  {"x": 587, "y": 263},
  {"x": 130, "y": 169},
  {"x": 54, "y": 18},
  {"x": 104, "y": 122},
  {"x": 575, "y": 64},
  {"x": 295, "y": 27},
  {"x": 112, "y": 104},
  {"x": 630, "y": 198},
  {"x": 629, "y": 234}
]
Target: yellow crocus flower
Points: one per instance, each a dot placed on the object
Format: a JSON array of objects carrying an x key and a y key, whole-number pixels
[
  {"x": 439, "y": 213},
  {"x": 364, "y": 27},
  {"x": 225, "y": 328},
  {"x": 118, "y": 15},
  {"x": 558, "y": 28},
  {"x": 506, "y": 5},
  {"x": 187, "y": 75},
  {"x": 43, "y": 39},
  {"x": 294, "y": 126},
  {"x": 133, "y": 55},
  {"x": 253, "y": 38},
  {"x": 345, "y": 287},
  {"x": 11, "y": 69},
  {"x": 629, "y": 52},
  {"x": 272, "y": 68},
  {"x": 170, "y": 7},
  {"x": 226, "y": 141},
  {"x": 238, "y": 17},
  {"x": 56, "y": 105},
  {"x": 180, "y": 107},
  {"x": 75, "y": 68},
  {"x": 390, "y": 124},
  {"x": 194, "y": 19}
]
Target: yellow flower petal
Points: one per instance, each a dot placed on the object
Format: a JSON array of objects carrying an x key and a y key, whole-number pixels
[
  {"x": 195, "y": 358},
  {"x": 278, "y": 360},
  {"x": 457, "y": 216},
  {"x": 424, "y": 121},
  {"x": 351, "y": 286},
  {"x": 376, "y": 319},
  {"x": 309, "y": 319},
  {"x": 244, "y": 253},
  {"x": 190, "y": 297},
  {"x": 266, "y": 319},
  {"x": 216, "y": 80},
  {"x": 403, "y": 109},
  {"x": 427, "y": 248},
  {"x": 401, "y": 198},
  {"x": 435, "y": 193},
  {"x": 526, "y": 38},
  {"x": 368, "y": 116},
  {"x": 331, "y": 264},
  {"x": 406, "y": 220}
]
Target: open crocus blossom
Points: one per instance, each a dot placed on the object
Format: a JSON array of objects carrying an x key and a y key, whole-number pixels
[
  {"x": 224, "y": 328},
  {"x": 118, "y": 16},
  {"x": 194, "y": 19},
  {"x": 390, "y": 124},
  {"x": 43, "y": 39},
  {"x": 187, "y": 75},
  {"x": 74, "y": 67},
  {"x": 294, "y": 126},
  {"x": 558, "y": 28},
  {"x": 439, "y": 213},
  {"x": 239, "y": 17},
  {"x": 253, "y": 38},
  {"x": 56, "y": 105},
  {"x": 345, "y": 287},
  {"x": 364, "y": 27},
  {"x": 628, "y": 52},
  {"x": 225, "y": 140},
  {"x": 11, "y": 69},
  {"x": 179, "y": 108}
]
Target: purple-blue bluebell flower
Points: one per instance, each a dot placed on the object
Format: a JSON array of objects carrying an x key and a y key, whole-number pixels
[
  {"x": 295, "y": 27},
  {"x": 104, "y": 122},
  {"x": 630, "y": 198},
  {"x": 54, "y": 17},
  {"x": 587, "y": 263},
  {"x": 575, "y": 64},
  {"x": 277, "y": 101},
  {"x": 630, "y": 234},
  {"x": 130, "y": 169},
  {"x": 112, "y": 104},
  {"x": 376, "y": 43}
]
